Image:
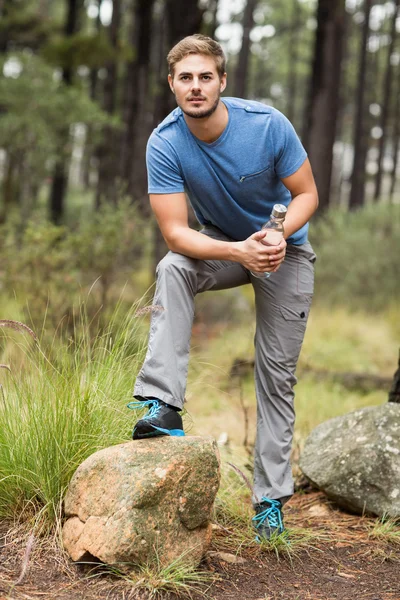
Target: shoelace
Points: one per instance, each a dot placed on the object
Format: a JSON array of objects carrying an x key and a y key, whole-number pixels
[
  {"x": 153, "y": 405},
  {"x": 272, "y": 514}
]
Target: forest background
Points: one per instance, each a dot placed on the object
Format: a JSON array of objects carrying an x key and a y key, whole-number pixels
[{"x": 82, "y": 85}]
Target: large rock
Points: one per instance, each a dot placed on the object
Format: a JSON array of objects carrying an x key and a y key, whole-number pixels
[
  {"x": 143, "y": 501},
  {"x": 355, "y": 460}
]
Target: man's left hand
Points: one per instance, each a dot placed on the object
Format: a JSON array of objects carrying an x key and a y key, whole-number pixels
[{"x": 277, "y": 255}]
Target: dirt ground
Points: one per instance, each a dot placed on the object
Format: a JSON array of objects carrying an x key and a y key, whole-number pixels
[{"x": 341, "y": 561}]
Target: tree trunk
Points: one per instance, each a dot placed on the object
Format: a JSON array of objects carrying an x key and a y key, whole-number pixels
[
  {"x": 4, "y": 35},
  {"x": 360, "y": 144},
  {"x": 293, "y": 62},
  {"x": 395, "y": 139},
  {"x": 106, "y": 151},
  {"x": 211, "y": 26},
  {"x": 394, "y": 394},
  {"x": 320, "y": 125},
  {"x": 93, "y": 85},
  {"x": 9, "y": 185},
  {"x": 338, "y": 165},
  {"x": 136, "y": 108},
  {"x": 60, "y": 175},
  {"x": 387, "y": 92},
  {"x": 241, "y": 73}
]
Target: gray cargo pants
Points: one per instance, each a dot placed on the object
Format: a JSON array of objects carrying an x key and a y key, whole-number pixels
[{"x": 282, "y": 307}]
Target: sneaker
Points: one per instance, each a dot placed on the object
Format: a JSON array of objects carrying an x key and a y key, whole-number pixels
[
  {"x": 161, "y": 419},
  {"x": 268, "y": 520}
]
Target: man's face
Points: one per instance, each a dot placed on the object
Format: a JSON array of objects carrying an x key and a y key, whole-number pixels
[{"x": 197, "y": 86}]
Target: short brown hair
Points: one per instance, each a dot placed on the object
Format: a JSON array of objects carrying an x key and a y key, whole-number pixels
[{"x": 197, "y": 44}]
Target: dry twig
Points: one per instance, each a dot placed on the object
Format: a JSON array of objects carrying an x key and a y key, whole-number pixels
[{"x": 25, "y": 561}]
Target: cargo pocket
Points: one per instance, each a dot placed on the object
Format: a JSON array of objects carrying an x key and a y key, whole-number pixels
[
  {"x": 295, "y": 313},
  {"x": 291, "y": 331}
]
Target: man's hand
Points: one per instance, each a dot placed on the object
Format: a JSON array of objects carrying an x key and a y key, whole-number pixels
[{"x": 259, "y": 257}]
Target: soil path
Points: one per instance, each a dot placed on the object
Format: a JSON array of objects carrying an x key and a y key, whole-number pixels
[{"x": 343, "y": 559}]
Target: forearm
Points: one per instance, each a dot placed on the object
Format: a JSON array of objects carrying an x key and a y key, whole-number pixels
[
  {"x": 198, "y": 245},
  {"x": 299, "y": 212}
]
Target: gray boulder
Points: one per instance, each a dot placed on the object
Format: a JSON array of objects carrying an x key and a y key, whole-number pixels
[
  {"x": 355, "y": 460},
  {"x": 143, "y": 501}
]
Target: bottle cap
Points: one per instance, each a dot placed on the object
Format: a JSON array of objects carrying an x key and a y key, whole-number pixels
[{"x": 279, "y": 211}]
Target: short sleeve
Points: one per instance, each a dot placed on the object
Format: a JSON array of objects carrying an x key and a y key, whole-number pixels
[
  {"x": 163, "y": 172},
  {"x": 289, "y": 153}
]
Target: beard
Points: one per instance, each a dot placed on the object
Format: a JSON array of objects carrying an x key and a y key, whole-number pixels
[{"x": 202, "y": 114}]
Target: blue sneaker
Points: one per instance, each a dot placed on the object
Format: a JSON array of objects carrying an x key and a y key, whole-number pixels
[
  {"x": 268, "y": 520},
  {"x": 161, "y": 419}
]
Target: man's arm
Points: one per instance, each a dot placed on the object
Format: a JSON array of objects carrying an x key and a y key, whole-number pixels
[
  {"x": 304, "y": 198},
  {"x": 172, "y": 217}
]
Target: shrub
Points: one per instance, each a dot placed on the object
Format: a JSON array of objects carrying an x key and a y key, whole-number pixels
[
  {"x": 358, "y": 257},
  {"x": 50, "y": 268}
]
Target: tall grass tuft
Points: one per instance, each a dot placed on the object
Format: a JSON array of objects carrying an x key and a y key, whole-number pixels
[
  {"x": 177, "y": 578},
  {"x": 65, "y": 403}
]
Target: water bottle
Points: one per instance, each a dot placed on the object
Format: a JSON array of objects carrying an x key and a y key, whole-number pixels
[{"x": 274, "y": 228}]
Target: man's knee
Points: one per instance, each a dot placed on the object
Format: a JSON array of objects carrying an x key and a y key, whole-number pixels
[{"x": 174, "y": 263}]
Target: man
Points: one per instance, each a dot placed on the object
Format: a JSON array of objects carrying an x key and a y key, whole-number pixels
[{"x": 235, "y": 159}]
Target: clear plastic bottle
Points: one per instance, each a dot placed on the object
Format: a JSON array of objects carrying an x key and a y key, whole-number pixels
[{"x": 274, "y": 227}]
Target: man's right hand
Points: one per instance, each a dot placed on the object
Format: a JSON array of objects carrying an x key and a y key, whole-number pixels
[{"x": 259, "y": 257}]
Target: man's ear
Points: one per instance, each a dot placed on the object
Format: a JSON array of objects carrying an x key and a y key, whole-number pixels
[
  {"x": 171, "y": 84},
  {"x": 223, "y": 82}
]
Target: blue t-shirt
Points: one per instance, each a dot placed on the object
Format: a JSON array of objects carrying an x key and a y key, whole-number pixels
[{"x": 234, "y": 182}]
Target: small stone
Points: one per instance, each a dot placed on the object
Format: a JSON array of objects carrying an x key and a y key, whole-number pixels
[
  {"x": 223, "y": 439},
  {"x": 233, "y": 559},
  {"x": 319, "y": 510}
]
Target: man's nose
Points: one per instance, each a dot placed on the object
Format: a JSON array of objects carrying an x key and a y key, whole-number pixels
[{"x": 196, "y": 83}]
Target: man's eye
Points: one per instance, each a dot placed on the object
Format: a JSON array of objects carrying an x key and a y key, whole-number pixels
[
  {"x": 206, "y": 77},
  {"x": 185, "y": 77}
]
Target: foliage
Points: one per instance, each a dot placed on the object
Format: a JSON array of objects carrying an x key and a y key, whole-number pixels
[
  {"x": 22, "y": 23},
  {"x": 358, "y": 256},
  {"x": 88, "y": 49},
  {"x": 54, "y": 266},
  {"x": 37, "y": 107}
]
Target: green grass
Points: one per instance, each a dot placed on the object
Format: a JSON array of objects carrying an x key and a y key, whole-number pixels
[
  {"x": 386, "y": 530},
  {"x": 55, "y": 412},
  {"x": 176, "y": 578}
]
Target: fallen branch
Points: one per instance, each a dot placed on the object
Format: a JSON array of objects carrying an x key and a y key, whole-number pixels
[{"x": 363, "y": 382}]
